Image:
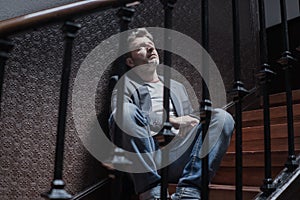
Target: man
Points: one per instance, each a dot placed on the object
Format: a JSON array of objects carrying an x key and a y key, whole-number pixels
[{"x": 142, "y": 118}]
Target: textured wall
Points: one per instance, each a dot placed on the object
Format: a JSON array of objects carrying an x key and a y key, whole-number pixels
[{"x": 29, "y": 108}]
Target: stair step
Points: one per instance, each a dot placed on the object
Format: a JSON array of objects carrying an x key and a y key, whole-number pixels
[
  {"x": 223, "y": 184},
  {"x": 276, "y": 131},
  {"x": 279, "y": 99},
  {"x": 253, "y": 138},
  {"x": 218, "y": 192},
  {"x": 258, "y": 145},
  {"x": 256, "y": 159},
  {"x": 252, "y": 176},
  {"x": 277, "y": 116},
  {"x": 253, "y": 167},
  {"x": 224, "y": 191}
]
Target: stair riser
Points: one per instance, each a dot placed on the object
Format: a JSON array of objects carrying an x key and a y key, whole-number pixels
[
  {"x": 280, "y": 99},
  {"x": 277, "y": 116},
  {"x": 276, "y": 131},
  {"x": 277, "y": 144},
  {"x": 256, "y": 159},
  {"x": 217, "y": 192},
  {"x": 252, "y": 176},
  {"x": 230, "y": 194}
]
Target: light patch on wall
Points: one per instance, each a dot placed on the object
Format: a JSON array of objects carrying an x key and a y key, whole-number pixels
[{"x": 272, "y": 8}]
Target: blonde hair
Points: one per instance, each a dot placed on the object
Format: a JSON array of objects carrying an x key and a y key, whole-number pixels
[{"x": 139, "y": 32}]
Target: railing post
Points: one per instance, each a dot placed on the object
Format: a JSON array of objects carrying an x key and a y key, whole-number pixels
[
  {"x": 238, "y": 93},
  {"x": 205, "y": 116},
  {"x": 5, "y": 47},
  {"x": 286, "y": 61},
  {"x": 168, "y": 135},
  {"x": 57, "y": 189},
  {"x": 264, "y": 76},
  {"x": 205, "y": 105},
  {"x": 125, "y": 15}
]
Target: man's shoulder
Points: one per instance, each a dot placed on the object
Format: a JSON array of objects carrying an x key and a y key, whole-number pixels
[{"x": 176, "y": 83}]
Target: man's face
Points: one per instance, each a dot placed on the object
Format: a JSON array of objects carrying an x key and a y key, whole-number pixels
[{"x": 142, "y": 52}]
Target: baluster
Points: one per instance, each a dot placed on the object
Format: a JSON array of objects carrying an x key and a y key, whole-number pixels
[
  {"x": 205, "y": 105},
  {"x": 238, "y": 93},
  {"x": 57, "y": 190},
  {"x": 264, "y": 76},
  {"x": 5, "y": 47},
  {"x": 125, "y": 14},
  {"x": 168, "y": 135},
  {"x": 286, "y": 61}
]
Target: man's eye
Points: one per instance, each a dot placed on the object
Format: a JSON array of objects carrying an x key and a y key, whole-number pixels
[{"x": 141, "y": 48}]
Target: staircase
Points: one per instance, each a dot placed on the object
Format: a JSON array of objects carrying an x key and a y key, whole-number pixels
[{"x": 223, "y": 184}]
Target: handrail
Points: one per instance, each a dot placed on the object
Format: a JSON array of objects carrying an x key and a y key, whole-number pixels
[
  {"x": 60, "y": 13},
  {"x": 230, "y": 106},
  {"x": 91, "y": 189}
]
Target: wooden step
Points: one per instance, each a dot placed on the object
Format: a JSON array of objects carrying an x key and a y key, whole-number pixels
[
  {"x": 253, "y": 148},
  {"x": 277, "y": 116},
  {"x": 217, "y": 192},
  {"x": 253, "y": 138},
  {"x": 276, "y": 131},
  {"x": 253, "y": 167},
  {"x": 258, "y": 145},
  {"x": 252, "y": 176},
  {"x": 256, "y": 159},
  {"x": 279, "y": 99}
]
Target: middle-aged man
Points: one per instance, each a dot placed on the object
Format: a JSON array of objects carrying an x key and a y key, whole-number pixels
[{"x": 143, "y": 118}]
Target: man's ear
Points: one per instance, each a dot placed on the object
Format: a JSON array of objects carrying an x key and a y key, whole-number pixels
[{"x": 129, "y": 62}]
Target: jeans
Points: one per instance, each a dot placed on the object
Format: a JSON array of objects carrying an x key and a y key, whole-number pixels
[{"x": 185, "y": 156}]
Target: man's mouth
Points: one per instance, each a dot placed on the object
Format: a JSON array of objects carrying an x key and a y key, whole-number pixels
[{"x": 152, "y": 56}]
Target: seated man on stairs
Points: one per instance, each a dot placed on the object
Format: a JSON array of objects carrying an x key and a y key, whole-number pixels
[{"x": 142, "y": 119}]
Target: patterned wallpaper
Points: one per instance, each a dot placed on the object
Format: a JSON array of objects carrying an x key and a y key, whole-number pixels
[{"x": 29, "y": 107}]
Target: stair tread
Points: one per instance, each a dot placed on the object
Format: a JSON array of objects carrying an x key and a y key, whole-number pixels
[
  {"x": 252, "y": 176},
  {"x": 232, "y": 187},
  {"x": 253, "y": 137},
  {"x": 277, "y": 116},
  {"x": 256, "y": 158},
  {"x": 172, "y": 187},
  {"x": 258, "y": 144},
  {"x": 276, "y": 130},
  {"x": 280, "y": 99},
  {"x": 261, "y": 151}
]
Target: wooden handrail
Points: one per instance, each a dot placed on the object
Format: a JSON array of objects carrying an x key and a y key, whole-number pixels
[
  {"x": 91, "y": 189},
  {"x": 61, "y": 13}
]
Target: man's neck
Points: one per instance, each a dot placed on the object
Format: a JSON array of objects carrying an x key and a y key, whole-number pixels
[
  {"x": 148, "y": 76},
  {"x": 151, "y": 79}
]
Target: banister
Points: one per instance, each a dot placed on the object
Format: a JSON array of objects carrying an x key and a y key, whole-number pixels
[
  {"x": 60, "y": 13},
  {"x": 91, "y": 189}
]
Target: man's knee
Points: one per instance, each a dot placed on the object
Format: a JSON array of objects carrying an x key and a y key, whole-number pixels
[{"x": 224, "y": 120}]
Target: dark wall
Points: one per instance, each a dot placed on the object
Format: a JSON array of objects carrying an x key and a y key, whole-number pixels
[
  {"x": 30, "y": 98},
  {"x": 275, "y": 49}
]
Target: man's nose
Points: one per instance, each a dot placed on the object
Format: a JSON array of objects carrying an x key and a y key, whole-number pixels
[{"x": 150, "y": 49}]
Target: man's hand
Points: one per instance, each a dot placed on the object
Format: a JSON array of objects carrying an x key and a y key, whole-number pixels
[{"x": 184, "y": 121}]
